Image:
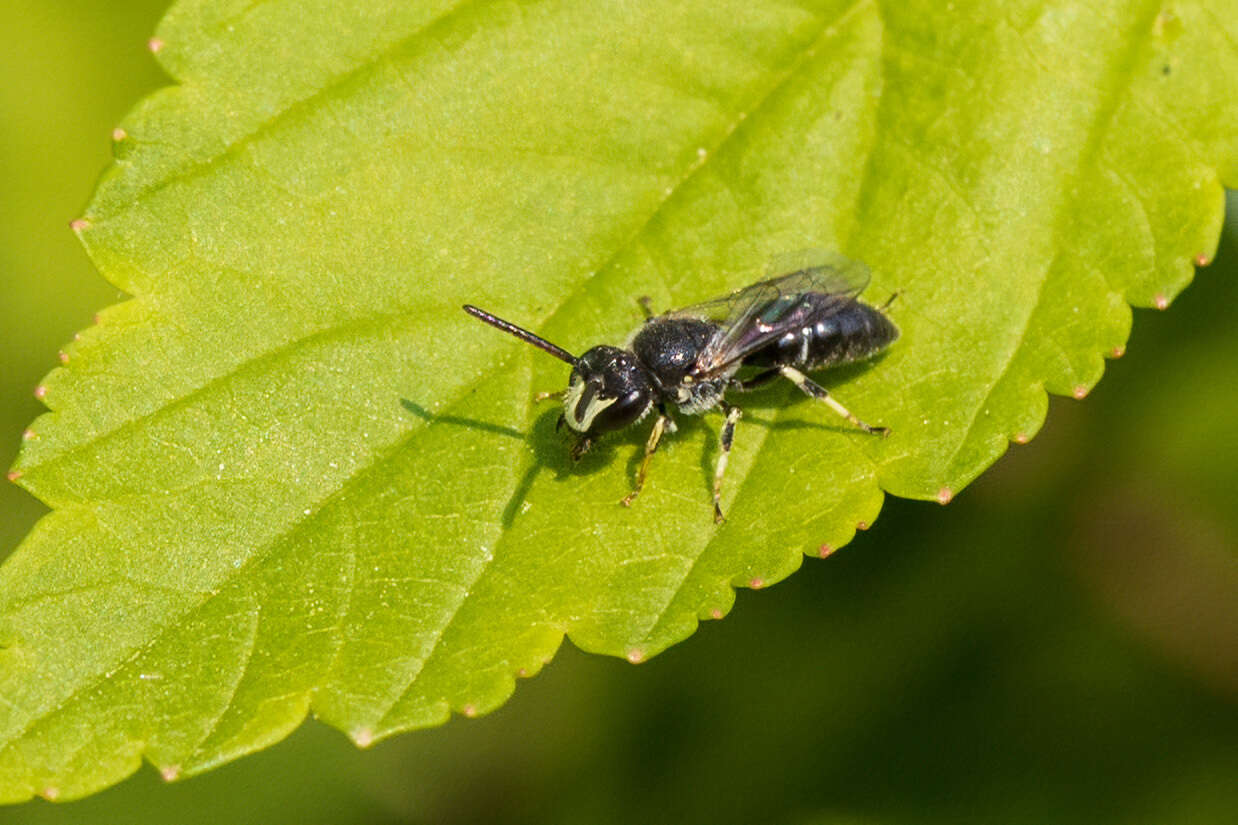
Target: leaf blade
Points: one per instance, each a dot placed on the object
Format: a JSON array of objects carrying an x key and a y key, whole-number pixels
[{"x": 309, "y": 541}]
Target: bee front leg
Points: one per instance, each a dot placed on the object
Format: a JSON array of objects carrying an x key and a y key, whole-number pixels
[
  {"x": 821, "y": 394},
  {"x": 660, "y": 426},
  {"x": 728, "y": 433}
]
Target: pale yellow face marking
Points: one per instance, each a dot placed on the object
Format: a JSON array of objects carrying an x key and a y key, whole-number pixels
[{"x": 571, "y": 401}]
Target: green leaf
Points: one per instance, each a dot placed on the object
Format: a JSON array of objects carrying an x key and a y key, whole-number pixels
[{"x": 291, "y": 476}]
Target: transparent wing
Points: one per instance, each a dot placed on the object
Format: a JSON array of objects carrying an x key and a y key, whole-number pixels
[
  {"x": 754, "y": 316},
  {"x": 834, "y": 271}
]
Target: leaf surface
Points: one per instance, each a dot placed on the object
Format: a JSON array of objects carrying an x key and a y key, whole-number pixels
[{"x": 291, "y": 476}]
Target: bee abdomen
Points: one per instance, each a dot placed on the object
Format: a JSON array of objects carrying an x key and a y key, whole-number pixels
[{"x": 857, "y": 333}]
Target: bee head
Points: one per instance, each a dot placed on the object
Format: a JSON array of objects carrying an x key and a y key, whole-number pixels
[{"x": 608, "y": 390}]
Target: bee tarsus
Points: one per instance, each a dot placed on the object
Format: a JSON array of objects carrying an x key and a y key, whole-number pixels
[{"x": 655, "y": 435}]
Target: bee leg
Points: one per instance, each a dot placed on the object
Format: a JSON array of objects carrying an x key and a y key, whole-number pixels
[
  {"x": 758, "y": 380},
  {"x": 645, "y": 306},
  {"x": 889, "y": 301},
  {"x": 819, "y": 392},
  {"x": 548, "y": 396},
  {"x": 728, "y": 433},
  {"x": 655, "y": 435}
]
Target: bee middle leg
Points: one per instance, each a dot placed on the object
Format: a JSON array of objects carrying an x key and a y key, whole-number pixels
[
  {"x": 821, "y": 394},
  {"x": 660, "y": 426},
  {"x": 756, "y": 381},
  {"x": 728, "y": 433}
]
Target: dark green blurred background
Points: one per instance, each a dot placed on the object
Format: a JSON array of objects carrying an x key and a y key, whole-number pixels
[{"x": 1060, "y": 645}]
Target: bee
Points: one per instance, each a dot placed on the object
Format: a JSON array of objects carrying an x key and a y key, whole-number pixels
[{"x": 807, "y": 319}]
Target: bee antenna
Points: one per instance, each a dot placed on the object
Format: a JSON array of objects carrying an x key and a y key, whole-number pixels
[{"x": 522, "y": 334}]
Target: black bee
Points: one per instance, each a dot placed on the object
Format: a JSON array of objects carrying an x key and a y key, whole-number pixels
[{"x": 806, "y": 319}]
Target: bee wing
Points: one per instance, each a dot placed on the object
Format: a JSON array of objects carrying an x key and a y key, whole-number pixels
[{"x": 758, "y": 314}]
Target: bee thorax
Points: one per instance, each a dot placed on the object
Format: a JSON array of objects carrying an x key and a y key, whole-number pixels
[{"x": 699, "y": 396}]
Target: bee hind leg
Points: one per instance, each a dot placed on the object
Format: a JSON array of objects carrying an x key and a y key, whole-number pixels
[
  {"x": 821, "y": 394},
  {"x": 728, "y": 434}
]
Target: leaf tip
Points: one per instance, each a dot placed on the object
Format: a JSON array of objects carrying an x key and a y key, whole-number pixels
[
  {"x": 155, "y": 45},
  {"x": 716, "y": 613},
  {"x": 825, "y": 551},
  {"x": 63, "y": 356},
  {"x": 171, "y": 773},
  {"x": 119, "y": 134},
  {"x": 1160, "y": 301},
  {"x": 51, "y": 793},
  {"x": 861, "y": 525},
  {"x": 79, "y": 225},
  {"x": 757, "y": 583},
  {"x": 13, "y": 475},
  {"x": 636, "y": 655},
  {"x": 1080, "y": 391},
  {"x": 945, "y": 495},
  {"x": 40, "y": 392},
  {"x": 1202, "y": 259},
  {"x": 362, "y": 737},
  {"x": 1021, "y": 438},
  {"x": 28, "y": 434},
  {"x": 469, "y": 710},
  {"x": 1117, "y": 352}
]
